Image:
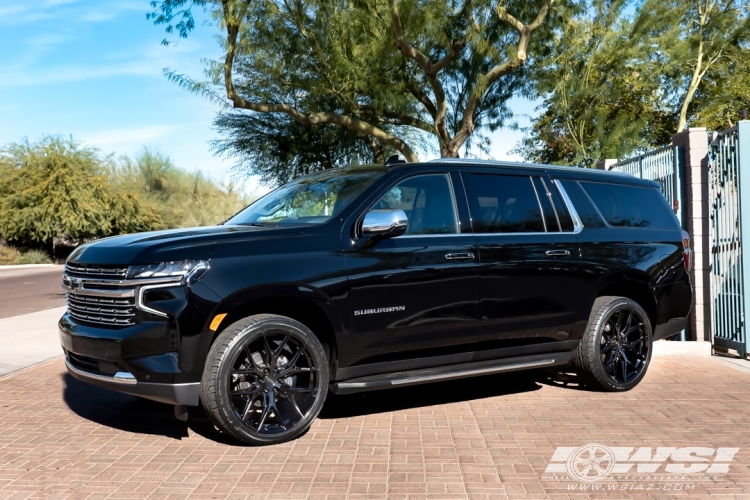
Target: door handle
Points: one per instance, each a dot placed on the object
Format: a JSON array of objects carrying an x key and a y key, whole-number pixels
[
  {"x": 459, "y": 256},
  {"x": 558, "y": 253}
]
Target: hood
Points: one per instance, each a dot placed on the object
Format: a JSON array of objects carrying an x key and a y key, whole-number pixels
[{"x": 162, "y": 246}]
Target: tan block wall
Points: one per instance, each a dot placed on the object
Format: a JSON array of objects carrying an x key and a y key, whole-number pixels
[{"x": 694, "y": 144}]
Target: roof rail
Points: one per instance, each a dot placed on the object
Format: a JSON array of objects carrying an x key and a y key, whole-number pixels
[{"x": 516, "y": 164}]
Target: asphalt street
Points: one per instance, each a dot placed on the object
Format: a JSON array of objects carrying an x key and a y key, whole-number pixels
[{"x": 24, "y": 291}]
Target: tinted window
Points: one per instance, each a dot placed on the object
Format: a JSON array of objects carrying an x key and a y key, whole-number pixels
[
  {"x": 506, "y": 204},
  {"x": 584, "y": 208},
  {"x": 550, "y": 219},
  {"x": 630, "y": 206},
  {"x": 566, "y": 222},
  {"x": 428, "y": 203}
]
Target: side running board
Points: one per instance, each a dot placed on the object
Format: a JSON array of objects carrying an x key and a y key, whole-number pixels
[{"x": 425, "y": 375}]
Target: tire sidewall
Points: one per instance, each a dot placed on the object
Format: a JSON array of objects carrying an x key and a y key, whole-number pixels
[
  {"x": 246, "y": 336},
  {"x": 598, "y": 368}
]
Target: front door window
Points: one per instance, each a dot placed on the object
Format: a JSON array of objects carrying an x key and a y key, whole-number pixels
[{"x": 428, "y": 203}]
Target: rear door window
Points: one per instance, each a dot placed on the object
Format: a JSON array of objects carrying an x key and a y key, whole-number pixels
[
  {"x": 630, "y": 206},
  {"x": 505, "y": 204},
  {"x": 566, "y": 222},
  {"x": 550, "y": 218}
]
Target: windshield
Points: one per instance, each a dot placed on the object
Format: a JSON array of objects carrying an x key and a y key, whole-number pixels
[{"x": 313, "y": 199}]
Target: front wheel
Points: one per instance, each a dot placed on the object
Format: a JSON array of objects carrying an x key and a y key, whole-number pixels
[
  {"x": 615, "y": 350},
  {"x": 265, "y": 380}
]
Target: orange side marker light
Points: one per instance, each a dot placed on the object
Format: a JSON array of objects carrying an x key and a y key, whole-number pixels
[{"x": 217, "y": 321}]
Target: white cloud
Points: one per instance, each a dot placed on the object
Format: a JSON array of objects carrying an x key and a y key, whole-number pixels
[
  {"x": 15, "y": 14},
  {"x": 111, "y": 11},
  {"x": 149, "y": 61},
  {"x": 72, "y": 73},
  {"x": 56, "y": 3},
  {"x": 48, "y": 39},
  {"x": 12, "y": 10}
]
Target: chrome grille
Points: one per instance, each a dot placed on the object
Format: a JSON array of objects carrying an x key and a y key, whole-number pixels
[
  {"x": 119, "y": 311},
  {"x": 96, "y": 271}
]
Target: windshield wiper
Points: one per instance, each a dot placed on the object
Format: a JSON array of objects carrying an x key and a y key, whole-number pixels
[{"x": 259, "y": 224}]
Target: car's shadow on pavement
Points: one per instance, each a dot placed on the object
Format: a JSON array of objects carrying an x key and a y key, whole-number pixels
[
  {"x": 131, "y": 414},
  {"x": 424, "y": 395},
  {"x": 453, "y": 391},
  {"x": 136, "y": 415},
  {"x": 562, "y": 376},
  {"x": 120, "y": 411}
]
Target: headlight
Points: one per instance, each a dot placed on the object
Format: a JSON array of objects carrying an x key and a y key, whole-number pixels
[{"x": 190, "y": 270}]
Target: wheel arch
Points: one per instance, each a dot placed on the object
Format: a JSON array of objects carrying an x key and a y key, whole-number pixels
[
  {"x": 634, "y": 290},
  {"x": 301, "y": 303}
]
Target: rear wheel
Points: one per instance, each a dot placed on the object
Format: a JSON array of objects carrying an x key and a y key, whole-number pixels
[
  {"x": 265, "y": 380},
  {"x": 615, "y": 350}
]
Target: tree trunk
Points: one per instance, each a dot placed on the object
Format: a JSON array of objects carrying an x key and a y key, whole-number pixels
[
  {"x": 450, "y": 149},
  {"x": 694, "y": 82}
]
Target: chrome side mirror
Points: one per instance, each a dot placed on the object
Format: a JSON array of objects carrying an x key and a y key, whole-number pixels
[{"x": 388, "y": 222}]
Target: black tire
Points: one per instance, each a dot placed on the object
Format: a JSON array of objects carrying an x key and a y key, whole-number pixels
[
  {"x": 615, "y": 350},
  {"x": 265, "y": 380}
]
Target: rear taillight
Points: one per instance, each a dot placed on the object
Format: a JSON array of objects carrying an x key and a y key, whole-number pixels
[{"x": 687, "y": 254}]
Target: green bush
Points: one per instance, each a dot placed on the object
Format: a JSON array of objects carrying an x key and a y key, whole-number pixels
[
  {"x": 178, "y": 197},
  {"x": 33, "y": 257},
  {"x": 12, "y": 256},
  {"x": 59, "y": 189}
]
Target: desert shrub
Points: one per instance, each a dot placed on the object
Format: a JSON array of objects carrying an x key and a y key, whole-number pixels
[
  {"x": 33, "y": 257},
  {"x": 8, "y": 255}
]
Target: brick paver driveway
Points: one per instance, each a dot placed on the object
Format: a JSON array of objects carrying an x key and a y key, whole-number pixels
[{"x": 479, "y": 438}]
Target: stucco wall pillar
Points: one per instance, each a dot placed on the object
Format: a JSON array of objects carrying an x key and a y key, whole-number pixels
[
  {"x": 694, "y": 144},
  {"x": 605, "y": 164}
]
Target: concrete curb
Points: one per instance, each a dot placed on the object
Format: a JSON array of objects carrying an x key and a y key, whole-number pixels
[
  {"x": 702, "y": 349},
  {"x": 667, "y": 347},
  {"x": 25, "y": 368},
  {"x": 28, "y": 266}
]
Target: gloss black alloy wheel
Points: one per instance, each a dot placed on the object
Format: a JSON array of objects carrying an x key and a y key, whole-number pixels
[
  {"x": 624, "y": 345},
  {"x": 265, "y": 380},
  {"x": 615, "y": 350}
]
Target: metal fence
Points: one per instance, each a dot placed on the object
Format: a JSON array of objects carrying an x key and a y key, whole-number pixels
[
  {"x": 664, "y": 166},
  {"x": 729, "y": 195}
]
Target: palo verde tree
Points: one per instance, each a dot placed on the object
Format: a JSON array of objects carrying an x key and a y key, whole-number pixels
[
  {"x": 723, "y": 97},
  {"x": 277, "y": 148},
  {"x": 380, "y": 68},
  {"x": 600, "y": 98},
  {"x": 691, "y": 40},
  {"x": 624, "y": 76}
]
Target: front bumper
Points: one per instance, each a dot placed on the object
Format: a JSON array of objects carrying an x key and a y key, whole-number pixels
[
  {"x": 129, "y": 360},
  {"x": 125, "y": 382},
  {"x": 145, "y": 337}
]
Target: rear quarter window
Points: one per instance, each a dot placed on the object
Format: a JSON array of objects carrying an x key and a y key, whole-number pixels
[{"x": 630, "y": 206}]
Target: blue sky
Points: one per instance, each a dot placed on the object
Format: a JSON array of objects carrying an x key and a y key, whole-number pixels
[{"x": 93, "y": 70}]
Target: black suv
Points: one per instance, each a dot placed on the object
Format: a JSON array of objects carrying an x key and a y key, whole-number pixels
[{"x": 370, "y": 277}]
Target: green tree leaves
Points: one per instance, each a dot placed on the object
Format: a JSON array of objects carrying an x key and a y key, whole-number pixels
[
  {"x": 621, "y": 77},
  {"x": 57, "y": 188},
  {"x": 390, "y": 72},
  {"x": 53, "y": 187}
]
